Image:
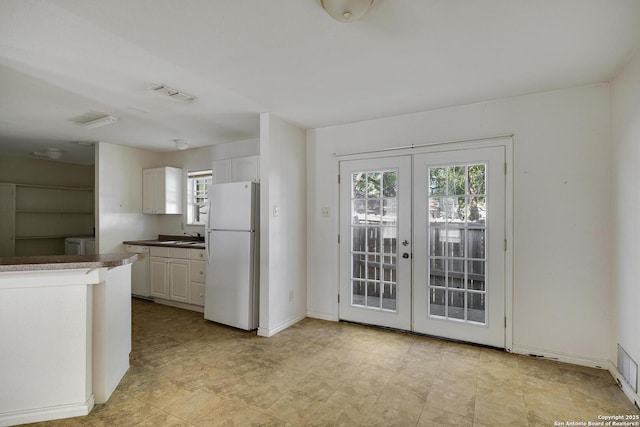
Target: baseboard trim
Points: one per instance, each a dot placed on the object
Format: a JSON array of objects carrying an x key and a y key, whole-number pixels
[
  {"x": 46, "y": 414},
  {"x": 322, "y": 316},
  {"x": 560, "y": 357},
  {"x": 266, "y": 332},
  {"x": 633, "y": 396},
  {"x": 178, "y": 304}
]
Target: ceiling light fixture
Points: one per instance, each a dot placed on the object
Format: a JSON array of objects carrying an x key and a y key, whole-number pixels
[
  {"x": 50, "y": 153},
  {"x": 181, "y": 144},
  {"x": 173, "y": 93},
  {"x": 99, "y": 122},
  {"x": 346, "y": 10}
]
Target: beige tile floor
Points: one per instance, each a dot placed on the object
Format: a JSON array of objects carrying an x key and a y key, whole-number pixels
[{"x": 186, "y": 371}]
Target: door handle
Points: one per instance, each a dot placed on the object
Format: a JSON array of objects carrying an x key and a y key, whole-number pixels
[{"x": 405, "y": 255}]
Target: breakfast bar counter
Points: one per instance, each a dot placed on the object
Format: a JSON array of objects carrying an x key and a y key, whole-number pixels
[{"x": 65, "y": 327}]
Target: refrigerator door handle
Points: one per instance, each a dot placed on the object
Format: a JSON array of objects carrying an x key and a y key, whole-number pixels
[{"x": 207, "y": 237}]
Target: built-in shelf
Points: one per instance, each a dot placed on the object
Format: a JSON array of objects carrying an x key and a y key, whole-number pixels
[
  {"x": 51, "y": 236},
  {"x": 54, "y": 212},
  {"x": 41, "y": 216}
]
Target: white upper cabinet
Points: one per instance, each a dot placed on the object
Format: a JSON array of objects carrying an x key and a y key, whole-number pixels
[
  {"x": 162, "y": 191},
  {"x": 238, "y": 169},
  {"x": 221, "y": 172},
  {"x": 244, "y": 169}
]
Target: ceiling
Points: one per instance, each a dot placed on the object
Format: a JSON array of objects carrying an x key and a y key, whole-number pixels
[{"x": 66, "y": 60}]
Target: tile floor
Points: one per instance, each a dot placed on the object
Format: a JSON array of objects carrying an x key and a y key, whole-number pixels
[{"x": 186, "y": 371}]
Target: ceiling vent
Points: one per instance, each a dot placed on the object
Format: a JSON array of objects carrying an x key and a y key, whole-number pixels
[
  {"x": 173, "y": 93},
  {"x": 94, "y": 120}
]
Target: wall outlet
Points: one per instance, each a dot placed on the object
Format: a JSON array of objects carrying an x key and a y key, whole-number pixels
[
  {"x": 290, "y": 296},
  {"x": 324, "y": 212}
]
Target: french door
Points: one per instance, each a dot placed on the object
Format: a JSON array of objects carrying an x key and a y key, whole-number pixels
[
  {"x": 375, "y": 235},
  {"x": 422, "y": 243}
]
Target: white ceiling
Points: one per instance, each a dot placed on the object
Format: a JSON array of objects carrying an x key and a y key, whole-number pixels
[{"x": 65, "y": 59}]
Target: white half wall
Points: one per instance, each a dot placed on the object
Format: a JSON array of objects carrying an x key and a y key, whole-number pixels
[
  {"x": 625, "y": 202},
  {"x": 283, "y": 225},
  {"x": 561, "y": 213},
  {"x": 119, "y": 202}
]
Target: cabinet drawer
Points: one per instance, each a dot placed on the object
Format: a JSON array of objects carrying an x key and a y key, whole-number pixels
[
  {"x": 197, "y": 294},
  {"x": 159, "y": 251},
  {"x": 181, "y": 253},
  {"x": 198, "y": 271},
  {"x": 198, "y": 254}
]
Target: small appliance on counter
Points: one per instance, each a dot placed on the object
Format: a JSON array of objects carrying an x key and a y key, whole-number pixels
[
  {"x": 232, "y": 245},
  {"x": 79, "y": 245}
]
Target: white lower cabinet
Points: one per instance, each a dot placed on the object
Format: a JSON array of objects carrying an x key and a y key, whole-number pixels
[
  {"x": 198, "y": 274},
  {"x": 179, "y": 280},
  {"x": 178, "y": 274},
  {"x": 158, "y": 269}
]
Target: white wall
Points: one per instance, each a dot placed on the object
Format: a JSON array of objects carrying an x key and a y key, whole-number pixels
[
  {"x": 625, "y": 201},
  {"x": 561, "y": 213},
  {"x": 283, "y": 237},
  {"x": 119, "y": 201}
]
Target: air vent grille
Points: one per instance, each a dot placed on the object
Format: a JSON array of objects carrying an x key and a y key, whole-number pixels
[{"x": 628, "y": 368}]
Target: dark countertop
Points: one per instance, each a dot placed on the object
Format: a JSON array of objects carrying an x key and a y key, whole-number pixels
[
  {"x": 170, "y": 242},
  {"x": 64, "y": 262}
]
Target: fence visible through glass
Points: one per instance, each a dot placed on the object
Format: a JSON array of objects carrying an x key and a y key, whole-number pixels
[
  {"x": 456, "y": 230},
  {"x": 374, "y": 231}
]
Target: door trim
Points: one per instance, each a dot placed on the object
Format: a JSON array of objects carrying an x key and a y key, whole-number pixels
[{"x": 507, "y": 141}]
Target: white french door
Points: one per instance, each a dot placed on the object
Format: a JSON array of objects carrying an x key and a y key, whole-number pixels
[
  {"x": 375, "y": 231},
  {"x": 422, "y": 243},
  {"x": 459, "y": 245}
]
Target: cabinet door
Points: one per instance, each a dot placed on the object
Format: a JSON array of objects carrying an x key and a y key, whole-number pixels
[
  {"x": 148, "y": 191},
  {"x": 198, "y": 271},
  {"x": 179, "y": 274},
  {"x": 197, "y": 294},
  {"x": 158, "y": 269},
  {"x": 172, "y": 189},
  {"x": 244, "y": 169},
  {"x": 221, "y": 172}
]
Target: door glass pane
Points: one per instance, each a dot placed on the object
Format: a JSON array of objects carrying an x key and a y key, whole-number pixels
[
  {"x": 476, "y": 311},
  {"x": 437, "y": 302},
  {"x": 456, "y": 230},
  {"x": 390, "y": 184},
  {"x": 374, "y": 247},
  {"x": 358, "y": 293},
  {"x": 389, "y": 296}
]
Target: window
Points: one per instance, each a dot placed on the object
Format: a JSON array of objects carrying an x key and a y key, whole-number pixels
[{"x": 198, "y": 183}]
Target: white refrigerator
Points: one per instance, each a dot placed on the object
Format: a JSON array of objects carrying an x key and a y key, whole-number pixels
[{"x": 232, "y": 244}]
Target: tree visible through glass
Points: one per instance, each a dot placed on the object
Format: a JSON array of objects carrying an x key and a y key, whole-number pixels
[
  {"x": 374, "y": 230},
  {"x": 456, "y": 230}
]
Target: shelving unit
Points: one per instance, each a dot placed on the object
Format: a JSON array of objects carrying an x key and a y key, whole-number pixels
[{"x": 46, "y": 215}]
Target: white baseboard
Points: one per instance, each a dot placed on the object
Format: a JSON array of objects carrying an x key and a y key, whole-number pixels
[
  {"x": 322, "y": 316},
  {"x": 177, "y": 304},
  {"x": 633, "y": 396},
  {"x": 269, "y": 332},
  {"x": 560, "y": 357},
  {"x": 46, "y": 414}
]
